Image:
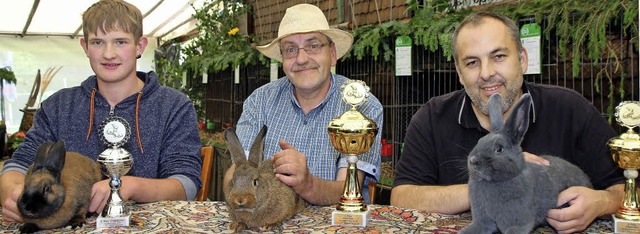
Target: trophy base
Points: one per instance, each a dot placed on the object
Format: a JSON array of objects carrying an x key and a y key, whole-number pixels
[
  {"x": 112, "y": 222},
  {"x": 343, "y": 218},
  {"x": 625, "y": 226}
]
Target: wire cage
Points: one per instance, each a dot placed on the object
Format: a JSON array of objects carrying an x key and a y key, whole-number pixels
[{"x": 433, "y": 75}]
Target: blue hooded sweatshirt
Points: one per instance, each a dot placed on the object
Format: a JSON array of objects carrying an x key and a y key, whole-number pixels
[{"x": 164, "y": 139}]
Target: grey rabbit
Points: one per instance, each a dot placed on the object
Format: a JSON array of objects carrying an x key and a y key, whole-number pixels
[
  {"x": 507, "y": 193},
  {"x": 57, "y": 188},
  {"x": 255, "y": 197}
]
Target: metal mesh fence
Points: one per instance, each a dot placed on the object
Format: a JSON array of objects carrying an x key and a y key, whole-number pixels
[{"x": 434, "y": 75}]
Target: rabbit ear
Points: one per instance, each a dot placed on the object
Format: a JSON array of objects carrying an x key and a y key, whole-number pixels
[
  {"x": 55, "y": 158},
  {"x": 518, "y": 121},
  {"x": 234, "y": 146},
  {"x": 41, "y": 156},
  {"x": 255, "y": 155},
  {"x": 495, "y": 112}
]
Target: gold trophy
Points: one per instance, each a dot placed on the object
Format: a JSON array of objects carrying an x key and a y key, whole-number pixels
[
  {"x": 625, "y": 151},
  {"x": 352, "y": 134}
]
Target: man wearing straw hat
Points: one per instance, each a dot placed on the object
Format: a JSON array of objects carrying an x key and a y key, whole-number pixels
[{"x": 297, "y": 108}]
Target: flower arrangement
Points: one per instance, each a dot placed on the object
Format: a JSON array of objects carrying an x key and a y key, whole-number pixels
[{"x": 13, "y": 141}]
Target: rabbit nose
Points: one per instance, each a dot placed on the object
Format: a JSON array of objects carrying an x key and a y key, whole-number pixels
[
  {"x": 473, "y": 160},
  {"x": 241, "y": 201}
]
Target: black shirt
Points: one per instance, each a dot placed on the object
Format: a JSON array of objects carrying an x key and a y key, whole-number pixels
[{"x": 562, "y": 123}]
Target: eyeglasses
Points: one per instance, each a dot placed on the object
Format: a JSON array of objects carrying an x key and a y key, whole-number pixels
[{"x": 292, "y": 52}]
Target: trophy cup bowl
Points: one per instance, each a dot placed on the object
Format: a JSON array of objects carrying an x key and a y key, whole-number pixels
[
  {"x": 115, "y": 162},
  {"x": 352, "y": 134},
  {"x": 625, "y": 151}
]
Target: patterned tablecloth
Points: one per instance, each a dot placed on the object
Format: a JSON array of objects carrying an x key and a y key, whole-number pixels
[{"x": 212, "y": 217}]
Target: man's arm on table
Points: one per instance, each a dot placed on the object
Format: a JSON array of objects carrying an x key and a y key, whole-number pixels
[
  {"x": 11, "y": 185},
  {"x": 451, "y": 199}
]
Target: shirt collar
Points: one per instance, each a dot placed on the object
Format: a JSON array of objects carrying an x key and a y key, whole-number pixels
[{"x": 467, "y": 118}]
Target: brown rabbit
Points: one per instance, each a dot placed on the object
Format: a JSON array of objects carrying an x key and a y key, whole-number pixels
[
  {"x": 255, "y": 196},
  {"x": 57, "y": 189}
]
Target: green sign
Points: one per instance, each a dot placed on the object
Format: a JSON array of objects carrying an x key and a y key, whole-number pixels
[
  {"x": 530, "y": 36},
  {"x": 530, "y": 30},
  {"x": 403, "y": 56}
]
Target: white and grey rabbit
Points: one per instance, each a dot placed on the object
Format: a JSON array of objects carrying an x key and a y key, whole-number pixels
[
  {"x": 57, "y": 189},
  {"x": 507, "y": 193},
  {"x": 256, "y": 198}
]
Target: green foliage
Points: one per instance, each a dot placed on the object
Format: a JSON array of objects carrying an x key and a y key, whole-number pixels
[
  {"x": 579, "y": 25},
  {"x": 219, "y": 45},
  {"x": 581, "y": 28},
  {"x": 582, "y": 31},
  {"x": 434, "y": 21},
  {"x": 374, "y": 39},
  {"x": 7, "y": 74},
  {"x": 433, "y": 31},
  {"x": 171, "y": 74}
]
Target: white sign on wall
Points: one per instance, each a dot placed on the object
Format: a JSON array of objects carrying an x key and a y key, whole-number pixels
[
  {"x": 530, "y": 36},
  {"x": 273, "y": 70},
  {"x": 403, "y": 56}
]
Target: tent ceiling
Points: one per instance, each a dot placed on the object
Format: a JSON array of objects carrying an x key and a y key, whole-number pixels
[{"x": 162, "y": 19}]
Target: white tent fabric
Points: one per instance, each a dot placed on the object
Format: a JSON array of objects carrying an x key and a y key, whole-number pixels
[
  {"x": 49, "y": 42},
  {"x": 163, "y": 19}
]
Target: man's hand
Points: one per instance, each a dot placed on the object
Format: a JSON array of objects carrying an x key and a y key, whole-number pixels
[
  {"x": 10, "y": 211},
  {"x": 585, "y": 205},
  {"x": 529, "y": 157},
  {"x": 101, "y": 190},
  {"x": 99, "y": 194},
  {"x": 11, "y": 186},
  {"x": 290, "y": 167}
]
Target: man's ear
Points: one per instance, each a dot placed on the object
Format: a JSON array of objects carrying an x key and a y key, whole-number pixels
[
  {"x": 524, "y": 60},
  {"x": 334, "y": 56},
  {"x": 142, "y": 44},
  {"x": 83, "y": 43},
  {"x": 458, "y": 71}
]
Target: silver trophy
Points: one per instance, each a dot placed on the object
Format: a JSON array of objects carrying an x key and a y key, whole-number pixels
[{"x": 115, "y": 162}]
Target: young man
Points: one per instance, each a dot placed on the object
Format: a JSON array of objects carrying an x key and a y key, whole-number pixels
[
  {"x": 164, "y": 140},
  {"x": 431, "y": 174},
  {"x": 298, "y": 107}
]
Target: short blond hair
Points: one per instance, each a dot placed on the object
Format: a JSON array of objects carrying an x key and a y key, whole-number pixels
[{"x": 112, "y": 15}]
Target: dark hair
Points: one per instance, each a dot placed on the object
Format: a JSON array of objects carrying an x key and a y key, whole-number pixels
[
  {"x": 111, "y": 15},
  {"x": 477, "y": 18}
]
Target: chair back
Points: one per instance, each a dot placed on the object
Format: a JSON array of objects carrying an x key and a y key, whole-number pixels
[{"x": 205, "y": 175}]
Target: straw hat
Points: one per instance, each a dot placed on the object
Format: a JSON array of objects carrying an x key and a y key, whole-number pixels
[{"x": 305, "y": 18}]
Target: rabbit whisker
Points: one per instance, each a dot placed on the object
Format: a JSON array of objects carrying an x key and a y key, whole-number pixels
[{"x": 458, "y": 164}]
